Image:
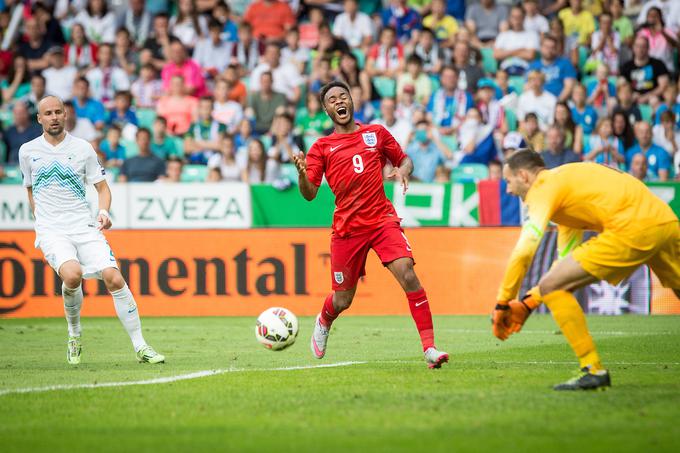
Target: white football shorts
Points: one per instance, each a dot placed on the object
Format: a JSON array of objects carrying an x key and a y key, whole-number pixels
[{"x": 90, "y": 249}]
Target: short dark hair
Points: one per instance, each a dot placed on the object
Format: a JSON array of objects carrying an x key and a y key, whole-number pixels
[
  {"x": 143, "y": 130},
  {"x": 328, "y": 86},
  {"x": 525, "y": 159}
]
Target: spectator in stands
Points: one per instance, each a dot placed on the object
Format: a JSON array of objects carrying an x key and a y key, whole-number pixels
[
  {"x": 59, "y": 76},
  {"x": 555, "y": 153},
  {"x": 80, "y": 127},
  {"x": 222, "y": 13},
  {"x": 147, "y": 89},
  {"x": 658, "y": 159},
  {"x": 639, "y": 167},
  {"x": 364, "y": 112},
  {"x": 284, "y": 141},
  {"x": 621, "y": 23},
  {"x": 258, "y": 168},
  {"x": 122, "y": 115},
  {"x": 584, "y": 115},
  {"x": 157, "y": 46},
  {"x": 578, "y": 23},
  {"x": 35, "y": 46},
  {"x": 601, "y": 91},
  {"x": 309, "y": 29},
  {"x": 485, "y": 20},
  {"x": 407, "y": 107},
  {"x": 99, "y": 23},
  {"x": 513, "y": 141},
  {"x": 243, "y": 137},
  {"x": 188, "y": 26},
  {"x": 354, "y": 26},
  {"x": 444, "y": 26},
  {"x": 503, "y": 87},
  {"x": 532, "y": 134},
  {"x": 516, "y": 47},
  {"x": 313, "y": 121},
  {"x": 105, "y": 79},
  {"x": 573, "y": 135},
  {"x": 293, "y": 53},
  {"x": 604, "y": 147},
  {"x": 403, "y": 19},
  {"x": 17, "y": 83},
  {"x": 202, "y": 139},
  {"x": 495, "y": 171},
  {"x": 669, "y": 8},
  {"x": 490, "y": 109},
  {"x": 662, "y": 41},
  {"x": 386, "y": 58},
  {"x": 429, "y": 51},
  {"x": 225, "y": 111},
  {"x": 269, "y": 18},
  {"x": 137, "y": 21},
  {"x": 625, "y": 102},
  {"x": 415, "y": 77},
  {"x": 606, "y": 44},
  {"x": 560, "y": 75},
  {"x": 225, "y": 160},
  {"x": 236, "y": 89},
  {"x": 533, "y": 19},
  {"x": 111, "y": 148},
  {"x": 537, "y": 100},
  {"x": 647, "y": 75},
  {"x": 667, "y": 136},
  {"x": 352, "y": 75},
  {"x": 50, "y": 26},
  {"x": 36, "y": 93},
  {"x": 212, "y": 53},
  {"x": 20, "y": 132},
  {"x": 469, "y": 73},
  {"x": 475, "y": 140},
  {"x": 247, "y": 50},
  {"x": 448, "y": 105},
  {"x": 173, "y": 169},
  {"x": 125, "y": 55},
  {"x": 286, "y": 78},
  {"x": 427, "y": 152},
  {"x": 622, "y": 129},
  {"x": 161, "y": 144},
  {"x": 400, "y": 129},
  {"x": 80, "y": 52},
  {"x": 177, "y": 107},
  {"x": 321, "y": 75},
  {"x": 263, "y": 104},
  {"x": 671, "y": 103},
  {"x": 86, "y": 106},
  {"x": 144, "y": 167},
  {"x": 190, "y": 71}
]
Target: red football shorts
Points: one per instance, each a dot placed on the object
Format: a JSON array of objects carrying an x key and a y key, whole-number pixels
[{"x": 348, "y": 254}]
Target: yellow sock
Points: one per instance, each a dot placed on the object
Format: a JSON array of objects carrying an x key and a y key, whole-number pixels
[
  {"x": 535, "y": 298},
  {"x": 569, "y": 316}
]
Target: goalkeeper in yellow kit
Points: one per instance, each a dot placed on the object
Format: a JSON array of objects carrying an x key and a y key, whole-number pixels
[{"x": 635, "y": 227}]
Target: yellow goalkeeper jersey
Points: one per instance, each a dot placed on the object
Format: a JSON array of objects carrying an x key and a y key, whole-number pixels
[{"x": 577, "y": 197}]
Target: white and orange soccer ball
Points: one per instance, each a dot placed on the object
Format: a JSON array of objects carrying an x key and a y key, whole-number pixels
[{"x": 276, "y": 328}]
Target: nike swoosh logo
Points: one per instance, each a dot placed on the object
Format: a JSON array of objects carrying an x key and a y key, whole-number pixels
[
  {"x": 133, "y": 310},
  {"x": 36, "y": 158},
  {"x": 418, "y": 304},
  {"x": 333, "y": 148}
]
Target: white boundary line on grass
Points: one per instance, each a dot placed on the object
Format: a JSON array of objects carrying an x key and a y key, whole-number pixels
[{"x": 169, "y": 379}]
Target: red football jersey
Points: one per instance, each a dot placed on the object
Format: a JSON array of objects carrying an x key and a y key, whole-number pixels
[{"x": 353, "y": 166}]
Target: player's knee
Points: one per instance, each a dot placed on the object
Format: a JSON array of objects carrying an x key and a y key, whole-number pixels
[
  {"x": 342, "y": 300},
  {"x": 113, "y": 279},
  {"x": 546, "y": 285},
  {"x": 72, "y": 276}
]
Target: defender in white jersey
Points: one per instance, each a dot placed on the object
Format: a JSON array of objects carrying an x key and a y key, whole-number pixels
[{"x": 56, "y": 168}]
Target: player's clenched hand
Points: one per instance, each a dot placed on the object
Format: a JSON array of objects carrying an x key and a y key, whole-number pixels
[
  {"x": 104, "y": 220},
  {"x": 519, "y": 312},
  {"x": 399, "y": 177},
  {"x": 500, "y": 321},
  {"x": 300, "y": 162}
]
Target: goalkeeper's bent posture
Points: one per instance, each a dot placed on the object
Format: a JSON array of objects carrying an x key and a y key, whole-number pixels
[{"x": 635, "y": 227}]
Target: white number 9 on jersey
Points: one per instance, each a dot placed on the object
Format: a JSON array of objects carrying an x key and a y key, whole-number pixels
[{"x": 358, "y": 163}]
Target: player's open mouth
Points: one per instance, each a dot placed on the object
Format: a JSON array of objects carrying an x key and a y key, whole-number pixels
[{"x": 342, "y": 110}]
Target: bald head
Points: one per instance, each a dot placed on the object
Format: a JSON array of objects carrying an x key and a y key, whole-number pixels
[
  {"x": 50, "y": 102},
  {"x": 52, "y": 115}
]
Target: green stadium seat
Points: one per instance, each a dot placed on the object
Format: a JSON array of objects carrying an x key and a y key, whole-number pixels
[
  {"x": 179, "y": 145},
  {"x": 6, "y": 117},
  {"x": 511, "y": 119},
  {"x": 12, "y": 176},
  {"x": 114, "y": 172},
  {"x": 194, "y": 173},
  {"x": 582, "y": 58},
  {"x": 146, "y": 117},
  {"x": 469, "y": 173},
  {"x": 386, "y": 87},
  {"x": 646, "y": 112},
  {"x": 131, "y": 148},
  {"x": 289, "y": 172},
  {"x": 308, "y": 141},
  {"x": 3, "y": 151},
  {"x": 489, "y": 63},
  {"x": 587, "y": 80},
  {"x": 434, "y": 79},
  {"x": 266, "y": 141},
  {"x": 450, "y": 142},
  {"x": 361, "y": 57},
  {"x": 517, "y": 83}
]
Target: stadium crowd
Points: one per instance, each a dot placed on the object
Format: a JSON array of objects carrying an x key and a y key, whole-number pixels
[{"x": 208, "y": 90}]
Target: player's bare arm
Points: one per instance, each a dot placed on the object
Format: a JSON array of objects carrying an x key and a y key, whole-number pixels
[
  {"x": 104, "y": 195},
  {"x": 29, "y": 190},
  {"x": 307, "y": 189},
  {"x": 402, "y": 173}
]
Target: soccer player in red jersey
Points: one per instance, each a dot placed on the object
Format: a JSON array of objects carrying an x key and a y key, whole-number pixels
[{"x": 352, "y": 159}]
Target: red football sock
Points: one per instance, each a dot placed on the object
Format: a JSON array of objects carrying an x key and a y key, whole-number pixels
[
  {"x": 420, "y": 310},
  {"x": 328, "y": 313}
]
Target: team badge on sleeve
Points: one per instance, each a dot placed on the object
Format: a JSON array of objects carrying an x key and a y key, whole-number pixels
[
  {"x": 370, "y": 139},
  {"x": 339, "y": 278}
]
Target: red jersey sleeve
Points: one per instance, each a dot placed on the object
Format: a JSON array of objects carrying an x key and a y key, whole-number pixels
[
  {"x": 316, "y": 164},
  {"x": 390, "y": 148}
]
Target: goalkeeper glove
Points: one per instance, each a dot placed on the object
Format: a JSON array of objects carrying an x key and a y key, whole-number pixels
[
  {"x": 500, "y": 320},
  {"x": 520, "y": 312}
]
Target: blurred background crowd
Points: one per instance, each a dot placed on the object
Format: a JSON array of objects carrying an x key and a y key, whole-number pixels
[{"x": 214, "y": 90}]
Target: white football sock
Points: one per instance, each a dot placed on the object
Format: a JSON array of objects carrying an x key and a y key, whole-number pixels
[
  {"x": 126, "y": 308},
  {"x": 73, "y": 301}
]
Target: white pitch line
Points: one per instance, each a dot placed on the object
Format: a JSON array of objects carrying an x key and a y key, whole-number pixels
[
  {"x": 168, "y": 379},
  {"x": 541, "y": 332}
]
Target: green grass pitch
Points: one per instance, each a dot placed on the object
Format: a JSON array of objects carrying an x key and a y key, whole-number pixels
[{"x": 493, "y": 396}]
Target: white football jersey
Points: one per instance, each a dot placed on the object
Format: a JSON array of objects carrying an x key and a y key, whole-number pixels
[{"x": 58, "y": 176}]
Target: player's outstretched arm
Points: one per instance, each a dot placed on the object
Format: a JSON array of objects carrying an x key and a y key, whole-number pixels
[
  {"x": 307, "y": 188},
  {"x": 104, "y": 195}
]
